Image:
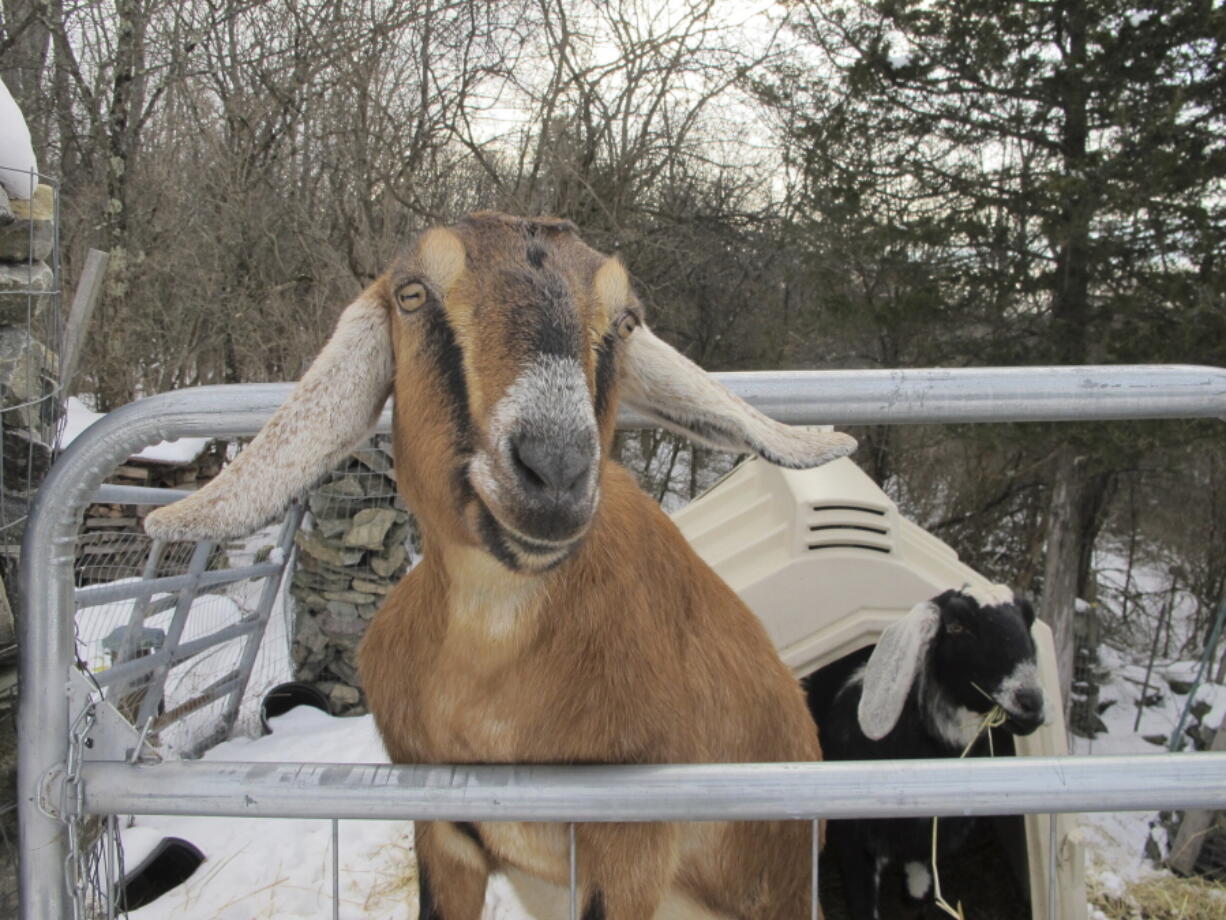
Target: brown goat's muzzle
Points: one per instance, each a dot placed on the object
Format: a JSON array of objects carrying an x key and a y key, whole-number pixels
[{"x": 538, "y": 473}]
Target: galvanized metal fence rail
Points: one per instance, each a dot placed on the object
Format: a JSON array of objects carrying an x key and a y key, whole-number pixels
[{"x": 60, "y": 782}]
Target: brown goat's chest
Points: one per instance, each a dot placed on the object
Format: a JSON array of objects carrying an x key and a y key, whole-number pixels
[{"x": 477, "y": 674}]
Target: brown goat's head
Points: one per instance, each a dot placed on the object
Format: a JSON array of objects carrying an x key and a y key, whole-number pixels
[
  {"x": 509, "y": 342},
  {"x": 506, "y": 335}
]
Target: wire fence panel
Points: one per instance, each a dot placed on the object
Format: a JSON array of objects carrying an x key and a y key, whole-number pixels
[{"x": 31, "y": 331}]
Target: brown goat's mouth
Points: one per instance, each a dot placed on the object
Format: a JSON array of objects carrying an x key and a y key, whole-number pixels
[
  {"x": 538, "y": 524},
  {"x": 518, "y": 551}
]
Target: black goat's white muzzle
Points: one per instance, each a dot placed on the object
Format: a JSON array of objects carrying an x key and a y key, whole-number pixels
[{"x": 1020, "y": 695}]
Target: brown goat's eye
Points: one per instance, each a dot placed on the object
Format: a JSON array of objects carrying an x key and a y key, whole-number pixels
[
  {"x": 411, "y": 296},
  {"x": 627, "y": 324}
]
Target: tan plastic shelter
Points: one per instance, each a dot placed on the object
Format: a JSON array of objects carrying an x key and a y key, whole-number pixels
[{"x": 824, "y": 558}]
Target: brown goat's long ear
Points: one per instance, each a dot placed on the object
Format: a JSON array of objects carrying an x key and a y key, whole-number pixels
[
  {"x": 331, "y": 409},
  {"x": 671, "y": 389}
]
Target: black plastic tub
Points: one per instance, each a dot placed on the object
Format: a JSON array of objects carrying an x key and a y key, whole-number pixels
[
  {"x": 169, "y": 864},
  {"x": 284, "y": 697}
]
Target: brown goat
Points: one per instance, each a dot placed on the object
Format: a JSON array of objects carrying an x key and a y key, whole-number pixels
[{"x": 558, "y": 616}]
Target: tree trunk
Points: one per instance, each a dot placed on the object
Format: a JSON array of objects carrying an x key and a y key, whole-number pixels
[
  {"x": 1060, "y": 569},
  {"x": 1079, "y": 499}
]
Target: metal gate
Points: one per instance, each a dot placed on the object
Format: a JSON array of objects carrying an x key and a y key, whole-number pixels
[{"x": 79, "y": 759}]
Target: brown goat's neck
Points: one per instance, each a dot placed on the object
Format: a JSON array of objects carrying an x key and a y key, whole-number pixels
[{"x": 488, "y": 606}]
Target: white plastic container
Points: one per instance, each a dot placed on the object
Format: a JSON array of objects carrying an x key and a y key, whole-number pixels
[{"x": 826, "y": 561}]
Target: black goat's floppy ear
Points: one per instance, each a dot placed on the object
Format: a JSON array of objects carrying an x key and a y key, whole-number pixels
[
  {"x": 675, "y": 392},
  {"x": 331, "y": 410},
  {"x": 892, "y": 668}
]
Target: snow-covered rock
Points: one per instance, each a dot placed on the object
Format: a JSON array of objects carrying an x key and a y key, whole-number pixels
[{"x": 18, "y": 166}]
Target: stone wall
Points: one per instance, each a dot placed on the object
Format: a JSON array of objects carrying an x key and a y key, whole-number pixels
[{"x": 353, "y": 547}]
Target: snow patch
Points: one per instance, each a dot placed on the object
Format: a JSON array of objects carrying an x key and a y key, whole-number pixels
[{"x": 78, "y": 417}]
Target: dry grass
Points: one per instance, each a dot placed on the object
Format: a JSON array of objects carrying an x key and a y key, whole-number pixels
[
  {"x": 401, "y": 884},
  {"x": 1164, "y": 898}
]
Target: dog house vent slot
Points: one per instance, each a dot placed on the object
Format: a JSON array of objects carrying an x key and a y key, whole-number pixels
[
  {"x": 844, "y": 545},
  {"x": 848, "y": 526},
  {"x": 862, "y": 508},
  {"x": 864, "y": 527}
]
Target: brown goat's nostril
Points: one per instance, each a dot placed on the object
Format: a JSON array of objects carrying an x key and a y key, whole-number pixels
[
  {"x": 545, "y": 466},
  {"x": 524, "y": 469}
]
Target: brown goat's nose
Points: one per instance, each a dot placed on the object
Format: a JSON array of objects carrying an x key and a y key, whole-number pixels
[{"x": 549, "y": 469}]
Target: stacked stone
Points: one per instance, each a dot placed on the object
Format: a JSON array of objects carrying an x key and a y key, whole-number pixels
[{"x": 354, "y": 547}]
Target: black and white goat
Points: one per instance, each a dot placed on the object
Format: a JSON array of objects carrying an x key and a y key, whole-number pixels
[{"x": 924, "y": 692}]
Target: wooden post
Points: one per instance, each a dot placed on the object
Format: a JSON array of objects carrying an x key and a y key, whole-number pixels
[{"x": 83, "y": 303}]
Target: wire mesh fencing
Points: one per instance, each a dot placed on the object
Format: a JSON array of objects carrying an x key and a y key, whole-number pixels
[
  {"x": 30, "y": 412},
  {"x": 31, "y": 331}
]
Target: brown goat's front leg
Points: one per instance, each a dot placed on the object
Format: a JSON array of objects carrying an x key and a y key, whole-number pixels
[
  {"x": 625, "y": 869},
  {"x": 452, "y": 871}
]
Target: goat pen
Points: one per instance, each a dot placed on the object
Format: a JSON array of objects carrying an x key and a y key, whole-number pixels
[{"x": 79, "y": 759}]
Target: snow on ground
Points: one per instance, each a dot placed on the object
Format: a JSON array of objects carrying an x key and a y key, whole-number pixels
[
  {"x": 78, "y": 417},
  {"x": 1115, "y": 843}
]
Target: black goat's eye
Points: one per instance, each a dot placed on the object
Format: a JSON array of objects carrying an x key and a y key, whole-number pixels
[
  {"x": 411, "y": 296},
  {"x": 954, "y": 629},
  {"x": 627, "y": 324}
]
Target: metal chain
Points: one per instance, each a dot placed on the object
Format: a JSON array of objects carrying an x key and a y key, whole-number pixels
[
  {"x": 77, "y": 862},
  {"x": 93, "y": 869}
]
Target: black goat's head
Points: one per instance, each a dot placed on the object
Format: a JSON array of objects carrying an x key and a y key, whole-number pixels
[{"x": 976, "y": 654}]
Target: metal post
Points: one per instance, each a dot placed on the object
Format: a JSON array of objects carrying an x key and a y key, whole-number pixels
[
  {"x": 127, "y": 649},
  {"x": 45, "y": 632},
  {"x": 574, "y": 874},
  {"x": 624, "y": 793},
  {"x": 815, "y": 855},
  {"x": 263, "y": 611},
  {"x": 1176, "y": 740},
  {"x": 336, "y": 870},
  {"x": 156, "y": 690},
  {"x": 1168, "y": 609},
  {"x": 89, "y": 286}
]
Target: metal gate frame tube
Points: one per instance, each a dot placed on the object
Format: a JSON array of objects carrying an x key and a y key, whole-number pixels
[
  {"x": 45, "y": 629},
  {"x": 700, "y": 792},
  {"x": 97, "y": 595}
]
